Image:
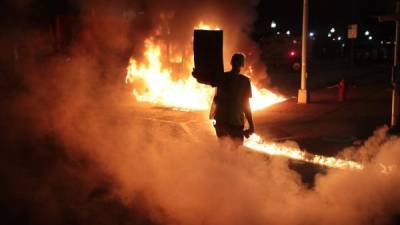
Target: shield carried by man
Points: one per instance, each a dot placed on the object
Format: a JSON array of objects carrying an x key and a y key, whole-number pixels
[{"x": 208, "y": 56}]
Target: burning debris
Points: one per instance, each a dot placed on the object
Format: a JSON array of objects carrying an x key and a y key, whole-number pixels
[
  {"x": 156, "y": 83},
  {"x": 256, "y": 143}
]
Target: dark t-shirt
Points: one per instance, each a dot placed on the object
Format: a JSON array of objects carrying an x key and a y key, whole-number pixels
[{"x": 233, "y": 92}]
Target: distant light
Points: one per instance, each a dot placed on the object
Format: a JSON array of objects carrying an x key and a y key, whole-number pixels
[
  {"x": 343, "y": 45},
  {"x": 339, "y": 38},
  {"x": 329, "y": 35},
  {"x": 288, "y": 32},
  {"x": 294, "y": 41},
  {"x": 388, "y": 42},
  {"x": 367, "y": 33},
  {"x": 292, "y": 53},
  {"x": 273, "y": 24},
  {"x": 278, "y": 33},
  {"x": 312, "y": 34},
  {"x": 334, "y": 39},
  {"x": 381, "y": 42},
  {"x": 370, "y": 38},
  {"x": 332, "y": 30}
]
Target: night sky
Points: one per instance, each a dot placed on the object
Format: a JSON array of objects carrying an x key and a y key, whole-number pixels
[
  {"x": 287, "y": 13},
  {"x": 323, "y": 14}
]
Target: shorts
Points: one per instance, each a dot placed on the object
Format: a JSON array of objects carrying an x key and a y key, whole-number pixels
[{"x": 231, "y": 131}]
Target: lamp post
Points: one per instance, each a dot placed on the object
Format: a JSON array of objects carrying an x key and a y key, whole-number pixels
[
  {"x": 303, "y": 95},
  {"x": 273, "y": 25},
  {"x": 395, "y": 118}
]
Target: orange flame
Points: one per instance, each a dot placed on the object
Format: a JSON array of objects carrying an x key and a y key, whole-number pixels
[
  {"x": 186, "y": 93},
  {"x": 160, "y": 88},
  {"x": 256, "y": 143},
  {"x": 203, "y": 26}
]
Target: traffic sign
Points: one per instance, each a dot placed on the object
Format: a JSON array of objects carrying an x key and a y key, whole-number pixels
[{"x": 352, "y": 31}]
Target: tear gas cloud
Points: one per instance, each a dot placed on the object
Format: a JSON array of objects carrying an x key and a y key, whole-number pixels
[{"x": 77, "y": 151}]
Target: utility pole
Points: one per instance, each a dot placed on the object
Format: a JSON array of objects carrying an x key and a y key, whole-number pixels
[
  {"x": 303, "y": 95},
  {"x": 395, "y": 118}
]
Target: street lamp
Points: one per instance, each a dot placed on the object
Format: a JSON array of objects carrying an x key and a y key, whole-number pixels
[
  {"x": 339, "y": 38},
  {"x": 370, "y": 38},
  {"x": 395, "y": 69},
  {"x": 288, "y": 32},
  {"x": 332, "y": 30},
  {"x": 312, "y": 34},
  {"x": 303, "y": 94},
  {"x": 273, "y": 25},
  {"x": 367, "y": 33},
  {"x": 329, "y": 35}
]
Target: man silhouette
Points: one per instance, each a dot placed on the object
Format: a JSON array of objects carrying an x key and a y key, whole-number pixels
[{"x": 231, "y": 105}]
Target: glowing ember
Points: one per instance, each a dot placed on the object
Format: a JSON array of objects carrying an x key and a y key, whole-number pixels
[{"x": 256, "y": 143}]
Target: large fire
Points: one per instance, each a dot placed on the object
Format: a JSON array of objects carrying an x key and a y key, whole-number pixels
[
  {"x": 186, "y": 93},
  {"x": 160, "y": 88},
  {"x": 155, "y": 83}
]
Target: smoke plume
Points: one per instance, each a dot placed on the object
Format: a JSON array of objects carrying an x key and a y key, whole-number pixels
[{"x": 78, "y": 150}]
